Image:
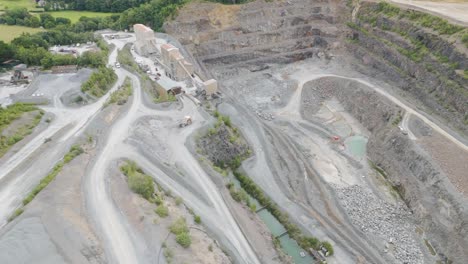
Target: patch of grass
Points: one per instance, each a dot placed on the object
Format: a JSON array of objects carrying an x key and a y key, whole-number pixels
[
  {"x": 74, "y": 151},
  {"x": 464, "y": 39},
  {"x": 9, "y": 4},
  {"x": 125, "y": 58},
  {"x": 179, "y": 226},
  {"x": 162, "y": 211},
  {"x": 120, "y": 96},
  {"x": 220, "y": 170},
  {"x": 10, "y": 114},
  {"x": 74, "y": 16},
  {"x": 184, "y": 239},
  {"x": 436, "y": 23},
  {"x": 253, "y": 207},
  {"x": 197, "y": 219},
  {"x": 168, "y": 254},
  {"x": 8, "y": 33},
  {"x": 138, "y": 182},
  {"x": 397, "y": 120},
  {"x": 15, "y": 214},
  {"x": 180, "y": 229}
]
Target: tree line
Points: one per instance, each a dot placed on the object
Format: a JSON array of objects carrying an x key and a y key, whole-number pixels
[
  {"x": 153, "y": 14},
  {"x": 114, "y": 6},
  {"x": 32, "y": 48},
  {"x": 21, "y": 17}
]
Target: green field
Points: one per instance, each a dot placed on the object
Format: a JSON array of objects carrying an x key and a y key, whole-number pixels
[
  {"x": 8, "y": 33},
  {"x": 74, "y": 16},
  {"x": 29, "y": 4}
]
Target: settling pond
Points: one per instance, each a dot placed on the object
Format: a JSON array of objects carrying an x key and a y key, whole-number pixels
[{"x": 288, "y": 245}]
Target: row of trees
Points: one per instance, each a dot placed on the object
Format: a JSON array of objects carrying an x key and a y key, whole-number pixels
[
  {"x": 93, "y": 5},
  {"x": 114, "y": 6},
  {"x": 21, "y": 17},
  {"x": 32, "y": 49},
  {"x": 99, "y": 82},
  {"x": 294, "y": 232}
]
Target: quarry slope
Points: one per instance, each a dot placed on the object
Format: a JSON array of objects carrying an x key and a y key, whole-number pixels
[{"x": 264, "y": 52}]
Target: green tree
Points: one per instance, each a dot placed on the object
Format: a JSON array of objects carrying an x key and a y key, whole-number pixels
[
  {"x": 47, "y": 20},
  {"x": 62, "y": 21},
  {"x": 6, "y": 51}
]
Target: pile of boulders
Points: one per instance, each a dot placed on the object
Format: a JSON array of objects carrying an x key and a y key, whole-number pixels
[
  {"x": 389, "y": 222},
  {"x": 264, "y": 116}
]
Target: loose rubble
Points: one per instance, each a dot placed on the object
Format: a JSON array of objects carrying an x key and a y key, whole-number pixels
[{"x": 387, "y": 221}]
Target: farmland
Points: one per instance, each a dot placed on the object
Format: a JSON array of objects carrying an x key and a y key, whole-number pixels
[
  {"x": 74, "y": 16},
  {"x": 8, "y": 33},
  {"x": 8, "y": 4}
]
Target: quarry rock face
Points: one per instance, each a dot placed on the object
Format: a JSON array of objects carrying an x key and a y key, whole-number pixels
[
  {"x": 421, "y": 61},
  {"x": 260, "y": 36},
  {"x": 437, "y": 206}
]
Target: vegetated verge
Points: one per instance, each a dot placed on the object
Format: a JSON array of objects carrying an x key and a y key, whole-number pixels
[
  {"x": 99, "y": 82},
  {"x": 10, "y": 114},
  {"x": 143, "y": 185},
  {"x": 226, "y": 149},
  {"x": 74, "y": 151},
  {"x": 120, "y": 96}
]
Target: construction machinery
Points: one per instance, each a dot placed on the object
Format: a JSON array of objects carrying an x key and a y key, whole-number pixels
[
  {"x": 18, "y": 76},
  {"x": 186, "y": 121}
]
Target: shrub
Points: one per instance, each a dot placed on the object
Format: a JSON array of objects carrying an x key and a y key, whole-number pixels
[
  {"x": 158, "y": 200},
  {"x": 178, "y": 201},
  {"x": 179, "y": 226},
  {"x": 162, "y": 211},
  {"x": 253, "y": 207},
  {"x": 328, "y": 247},
  {"x": 227, "y": 121},
  {"x": 197, "y": 219},
  {"x": 184, "y": 239},
  {"x": 121, "y": 95},
  {"x": 168, "y": 254},
  {"x": 465, "y": 39},
  {"x": 138, "y": 181}
]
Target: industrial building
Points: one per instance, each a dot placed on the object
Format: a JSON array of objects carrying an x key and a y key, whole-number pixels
[
  {"x": 145, "y": 40},
  {"x": 210, "y": 87},
  {"x": 175, "y": 65}
]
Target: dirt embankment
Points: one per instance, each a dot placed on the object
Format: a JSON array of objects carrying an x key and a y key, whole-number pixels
[{"x": 439, "y": 209}]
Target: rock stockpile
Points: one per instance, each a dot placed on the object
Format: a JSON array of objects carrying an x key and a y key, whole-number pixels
[{"x": 382, "y": 219}]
